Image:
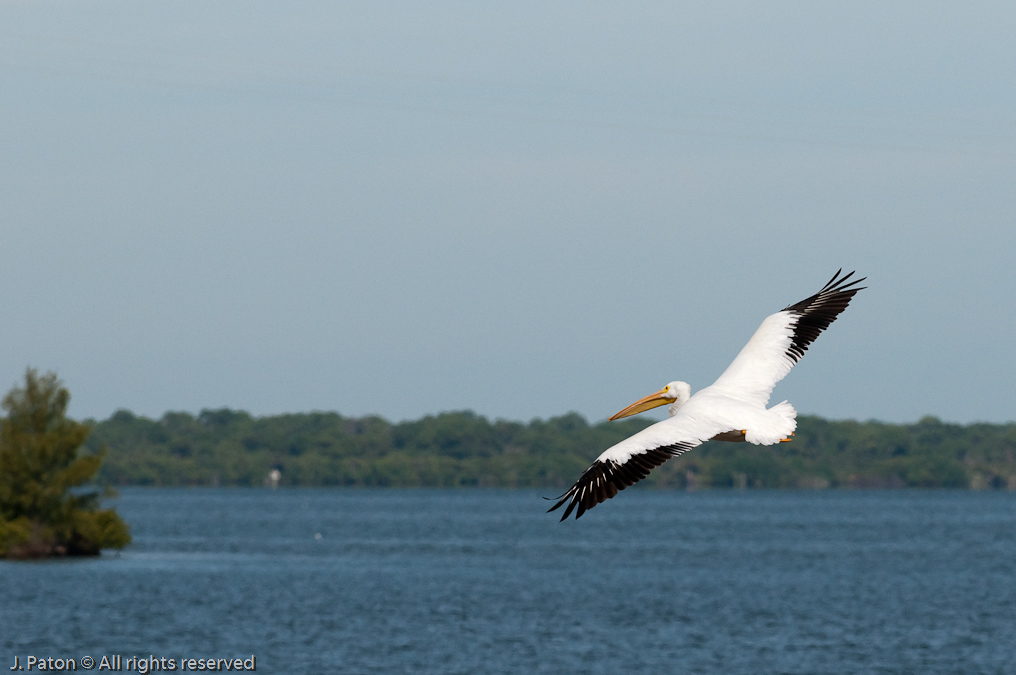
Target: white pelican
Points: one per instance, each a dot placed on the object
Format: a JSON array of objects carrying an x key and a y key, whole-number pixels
[{"x": 731, "y": 409}]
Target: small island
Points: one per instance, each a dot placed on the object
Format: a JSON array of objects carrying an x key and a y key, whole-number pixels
[{"x": 44, "y": 512}]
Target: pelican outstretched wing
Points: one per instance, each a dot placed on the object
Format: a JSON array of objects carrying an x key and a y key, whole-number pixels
[
  {"x": 781, "y": 341},
  {"x": 632, "y": 459}
]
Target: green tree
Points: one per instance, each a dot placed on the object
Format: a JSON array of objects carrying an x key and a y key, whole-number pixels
[{"x": 40, "y": 463}]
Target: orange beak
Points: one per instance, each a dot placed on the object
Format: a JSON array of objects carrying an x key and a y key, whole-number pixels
[{"x": 654, "y": 400}]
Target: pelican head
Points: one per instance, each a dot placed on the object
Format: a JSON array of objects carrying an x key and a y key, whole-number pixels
[{"x": 675, "y": 393}]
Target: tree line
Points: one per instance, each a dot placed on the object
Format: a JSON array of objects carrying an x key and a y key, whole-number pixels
[
  {"x": 47, "y": 459},
  {"x": 454, "y": 449}
]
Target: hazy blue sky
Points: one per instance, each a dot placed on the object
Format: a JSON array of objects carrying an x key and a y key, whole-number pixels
[{"x": 521, "y": 209}]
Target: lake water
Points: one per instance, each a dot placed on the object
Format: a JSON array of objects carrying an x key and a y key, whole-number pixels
[{"x": 482, "y": 581}]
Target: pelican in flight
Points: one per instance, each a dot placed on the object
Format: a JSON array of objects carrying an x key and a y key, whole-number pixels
[{"x": 733, "y": 408}]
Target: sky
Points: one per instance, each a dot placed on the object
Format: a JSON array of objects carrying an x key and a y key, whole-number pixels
[{"x": 521, "y": 209}]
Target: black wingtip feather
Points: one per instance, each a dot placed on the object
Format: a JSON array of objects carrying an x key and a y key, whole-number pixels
[
  {"x": 603, "y": 480},
  {"x": 814, "y": 314}
]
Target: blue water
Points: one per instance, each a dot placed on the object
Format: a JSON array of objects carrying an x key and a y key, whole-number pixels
[{"x": 482, "y": 581}]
